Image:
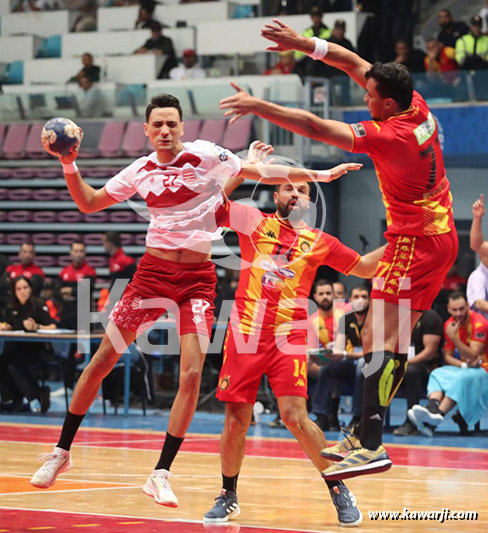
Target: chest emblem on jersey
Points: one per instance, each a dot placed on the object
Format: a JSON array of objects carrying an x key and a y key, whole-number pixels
[
  {"x": 188, "y": 175},
  {"x": 305, "y": 247},
  {"x": 271, "y": 280}
]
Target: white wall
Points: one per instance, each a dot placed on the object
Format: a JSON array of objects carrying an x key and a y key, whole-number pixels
[
  {"x": 19, "y": 48},
  {"x": 42, "y": 23}
]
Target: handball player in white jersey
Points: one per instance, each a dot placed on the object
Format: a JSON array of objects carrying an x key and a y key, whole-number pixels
[{"x": 183, "y": 185}]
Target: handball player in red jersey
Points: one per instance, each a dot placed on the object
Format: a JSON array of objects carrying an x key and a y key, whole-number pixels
[
  {"x": 183, "y": 185},
  {"x": 402, "y": 140}
]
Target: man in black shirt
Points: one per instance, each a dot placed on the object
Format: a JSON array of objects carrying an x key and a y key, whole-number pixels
[
  {"x": 426, "y": 342},
  {"x": 450, "y": 30},
  {"x": 160, "y": 45}
]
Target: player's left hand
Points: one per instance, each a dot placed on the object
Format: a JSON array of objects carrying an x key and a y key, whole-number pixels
[
  {"x": 70, "y": 156},
  {"x": 286, "y": 38},
  {"x": 342, "y": 169},
  {"x": 238, "y": 104},
  {"x": 259, "y": 152},
  {"x": 479, "y": 207}
]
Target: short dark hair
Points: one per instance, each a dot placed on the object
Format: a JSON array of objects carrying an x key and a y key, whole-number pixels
[
  {"x": 113, "y": 237},
  {"x": 27, "y": 243},
  {"x": 393, "y": 81},
  {"x": 163, "y": 100},
  {"x": 360, "y": 288},
  {"x": 321, "y": 282},
  {"x": 155, "y": 26},
  {"x": 456, "y": 295},
  {"x": 78, "y": 242}
]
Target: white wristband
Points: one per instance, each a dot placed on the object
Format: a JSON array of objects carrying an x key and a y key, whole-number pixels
[
  {"x": 323, "y": 176},
  {"x": 344, "y": 356},
  {"x": 70, "y": 168},
  {"x": 464, "y": 364},
  {"x": 321, "y": 48}
]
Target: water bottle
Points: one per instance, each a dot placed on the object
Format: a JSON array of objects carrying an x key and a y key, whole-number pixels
[{"x": 258, "y": 410}]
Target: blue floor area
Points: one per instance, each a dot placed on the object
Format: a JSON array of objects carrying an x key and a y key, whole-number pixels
[{"x": 211, "y": 423}]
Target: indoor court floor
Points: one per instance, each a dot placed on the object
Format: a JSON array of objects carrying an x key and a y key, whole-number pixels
[{"x": 279, "y": 489}]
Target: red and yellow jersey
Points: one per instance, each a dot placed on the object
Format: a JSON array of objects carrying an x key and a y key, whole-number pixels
[
  {"x": 476, "y": 330},
  {"x": 322, "y": 330},
  {"x": 408, "y": 159},
  {"x": 278, "y": 266}
]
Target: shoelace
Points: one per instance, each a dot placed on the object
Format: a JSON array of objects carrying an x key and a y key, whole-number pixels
[
  {"x": 48, "y": 456},
  {"x": 164, "y": 479},
  {"x": 347, "y": 435}
]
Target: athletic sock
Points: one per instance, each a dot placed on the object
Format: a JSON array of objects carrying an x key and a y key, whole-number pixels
[
  {"x": 332, "y": 484},
  {"x": 168, "y": 453},
  {"x": 70, "y": 427},
  {"x": 229, "y": 483},
  {"x": 401, "y": 363},
  {"x": 433, "y": 406},
  {"x": 377, "y": 391}
]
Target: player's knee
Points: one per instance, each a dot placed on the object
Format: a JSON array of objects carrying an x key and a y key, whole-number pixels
[
  {"x": 190, "y": 380},
  {"x": 236, "y": 425},
  {"x": 293, "y": 420},
  {"x": 100, "y": 366}
]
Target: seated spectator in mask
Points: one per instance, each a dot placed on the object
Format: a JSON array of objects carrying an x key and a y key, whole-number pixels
[
  {"x": 285, "y": 65},
  {"x": 26, "y": 312},
  {"x": 188, "y": 69},
  {"x": 462, "y": 382},
  {"x": 160, "y": 45},
  {"x": 426, "y": 355}
]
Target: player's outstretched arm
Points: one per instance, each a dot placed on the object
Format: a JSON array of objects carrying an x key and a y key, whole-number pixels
[
  {"x": 366, "y": 266},
  {"x": 88, "y": 199},
  {"x": 332, "y": 54},
  {"x": 302, "y": 122},
  {"x": 476, "y": 241}
]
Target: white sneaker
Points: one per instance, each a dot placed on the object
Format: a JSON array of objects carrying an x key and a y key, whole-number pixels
[
  {"x": 157, "y": 486},
  {"x": 54, "y": 464}
]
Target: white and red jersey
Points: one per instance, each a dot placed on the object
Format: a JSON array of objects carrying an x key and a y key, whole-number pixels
[{"x": 184, "y": 196}]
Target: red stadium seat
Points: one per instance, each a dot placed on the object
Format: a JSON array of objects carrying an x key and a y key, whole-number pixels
[
  {"x": 97, "y": 261},
  {"x": 44, "y": 238},
  {"x": 111, "y": 139},
  {"x": 4, "y": 194},
  {"x": 140, "y": 239},
  {"x": 45, "y": 195},
  {"x": 69, "y": 217},
  {"x": 93, "y": 239},
  {"x": 134, "y": 143},
  {"x": 122, "y": 217},
  {"x": 96, "y": 218},
  {"x": 213, "y": 130},
  {"x": 236, "y": 136},
  {"x": 5, "y": 173},
  {"x": 192, "y": 129},
  {"x": 126, "y": 239},
  {"x": 19, "y": 216},
  {"x": 20, "y": 195},
  {"x": 33, "y": 147},
  {"x": 45, "y": 217},
  {"x": 3, "y": 216},
  {"x": 63, "y": 260},
  {"x": 45, "y": 260},
  {"x": 24, "y": 173},
  {"x": 17, "y": 238},
  {"x": 67, "y": 238},
  {"x": 54, "y": 172},
  {"x": 14, "y": 143}
]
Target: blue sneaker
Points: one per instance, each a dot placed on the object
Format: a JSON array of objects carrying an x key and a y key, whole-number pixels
[
  {"x": 226, "y": 507},
  {"x": 347, "y": 511}
]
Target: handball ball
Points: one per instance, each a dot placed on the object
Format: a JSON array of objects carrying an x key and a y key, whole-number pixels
[{"x": 59, "y": 135}]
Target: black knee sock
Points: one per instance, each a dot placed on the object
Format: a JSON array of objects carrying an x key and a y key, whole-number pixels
[
  {"x": 229, "y": 483},
  {"x": 401, "y": 363},
  {"x": 70, "y": 427},
  {"x": 168, "y": 453},
  {"x": 377, "y": 391},
  {"x": 332, "y": 484},
  {"x": 433, "y": 406}
]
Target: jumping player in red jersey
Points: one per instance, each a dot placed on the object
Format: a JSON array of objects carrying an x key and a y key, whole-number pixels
[
  {"x": 183, "y": 186},
  {"x": 402, "y": 140},
  {"x": 268, "y": 329}
]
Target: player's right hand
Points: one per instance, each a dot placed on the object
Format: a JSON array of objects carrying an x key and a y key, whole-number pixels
[
  {"x": 286, "y": 38},
  {"x": 479, "y": 207},
  {"x": 238, "y": 104},
  {"x": 68, "y": 158},
  {"x": 259, "y": 152}
]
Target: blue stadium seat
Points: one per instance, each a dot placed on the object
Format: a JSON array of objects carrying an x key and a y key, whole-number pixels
[{"x": 50, "y": 47}]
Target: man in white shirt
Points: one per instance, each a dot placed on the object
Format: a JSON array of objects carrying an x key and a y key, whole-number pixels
[
  {"x": 188, "y": 69},
  {"x": 477, "y": 289}
]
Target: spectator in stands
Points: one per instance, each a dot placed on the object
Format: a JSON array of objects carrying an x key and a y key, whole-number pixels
[
  {"x": 424, "y": 356},
  {"x": 462, "y": 381},
  {"x": 472, "y": 48},
  {"x": 285, "y": 65},
  {"x": 87, "y": 14},
  {"x": 92, "y": 103},
  {"x": 348, "y": 359},
  {"x": 454, "y": 281},
  {"x": 145, "y": 19},
  {"x": 412, "y": 58},
  {"x": 484, "y": 18},
  {"x": 477, "y": 290},
  {"x": 27, "y": 268},
  {"x": 121, "y": 266},
  {"x": 89, "y": 69},
  {"x": 450, "y": 30},
  {"x": 160, "y": 45},
  {"x": 306, "y": 66},
  {"x": 30, "y": 5},
  {"x": 340, "y": 291},
  {"x": 188, "y": 69},
  {"x": 440, "y": 63},
  {"x": 26, "y": 312}
]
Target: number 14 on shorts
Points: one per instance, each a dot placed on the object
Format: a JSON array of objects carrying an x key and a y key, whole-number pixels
[{"x": 300, "y": 372}]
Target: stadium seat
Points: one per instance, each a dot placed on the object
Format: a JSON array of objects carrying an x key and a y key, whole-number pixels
[
  {"x": 140, "y": 239},
  {"x": 14, "y": 143},
  {"x": 192, "y": 129},
  {"x": 45, "y": 195},
  {"x": 134, "y": 143},
  {"x": 4, "y": 194},
  {"x": 63, "y": 260},
  {"x": 2, "y": 238},
  {"x": 97, "y": 172},
  {"x": 126, "y": 239},
  {"x": 50, "y": 47},
  {"x": 47, "y": 173},
  {"x": 19, "y": 216},
  {"x": 93, "y": 239},
  {"x": 236, "y": 136},
  {"x": 14, "y": 73},
  {"x": 97, "y": 261},
  {"x": 121, "y": 217},
  {"x": 33, "y": 147},
  {"x": 69, "y": 217},
  {"x": 111, "y": 139},
  {"x": 45, "y": 260},
  {"x": 45, "y": 217},
  {"x": 16, "y": 238},
  {"x": 44, "y": 238},
  {"x": 5, "y": 173},
  {"x": 3, "y": 217},
  {"x": 64, "y": 195},
  {"x": 19, "y": 195},
  {"x": 3, "y": 131},
  {"x": 24, "y": 173},
  {"x": 96, "y": 218},
  {"x": 67, "y": 238},
  {"x": 213, "y": 130}
]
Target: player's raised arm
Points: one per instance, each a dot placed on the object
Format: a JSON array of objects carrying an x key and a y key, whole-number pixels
[
  {"x": 332, "y": 54},
  {"x": 476, "y": 240},
  {"x": 302, "y": 122},
  {"x": 88, "y": 199},
  {"x": 366, "y": 266}
]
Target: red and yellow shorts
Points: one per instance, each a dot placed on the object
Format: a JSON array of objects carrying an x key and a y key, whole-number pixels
[
  {"x": 186, "y": 289},
  {"x": 244, "y": 366},
  {"x": 414, "y": 268}
]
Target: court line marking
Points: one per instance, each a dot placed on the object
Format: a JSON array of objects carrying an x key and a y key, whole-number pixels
[{"x": 30, "y": 492}]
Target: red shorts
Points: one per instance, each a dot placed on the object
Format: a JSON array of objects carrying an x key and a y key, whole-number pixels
[
  {"x": 186, "y": 289},
  {"x": 243, "y": 367},
  {"x": 414, "y": 269}
]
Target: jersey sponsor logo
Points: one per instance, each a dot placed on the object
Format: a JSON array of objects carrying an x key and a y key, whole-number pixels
[
  {"x": 424, "y": 131},
  {"x": 271, "y": 280},
  {"x": 300, "y": 383},
  {"x": 359, "y": 130},
  {"x": 286, "y": 273},
  {"x": 224, "y": 383}
]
